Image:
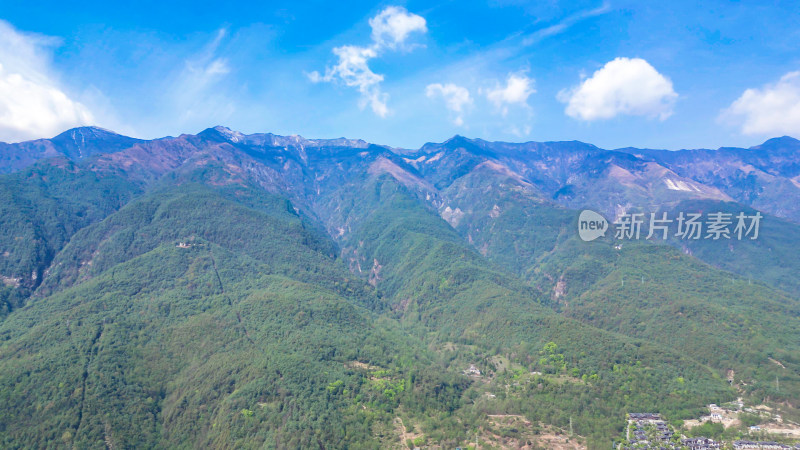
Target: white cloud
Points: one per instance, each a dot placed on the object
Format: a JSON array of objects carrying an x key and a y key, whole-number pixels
[
  {"x": 218, "y": 66},
  {"x": 516, "y": 91},
  {"x": 392, "y": 26},
  {"x": 520, "y": 132},
  {"x": 198, "y": 92},
  {"x": 623, "y": 86},
  {"x": 390, "y": 29},
  {"x": 32, "y": 104},
  {"x": 772, "y": 109},
  {"x": 206, "y": 67},
  {"x": 456, "y": 98},
  {"x": 565, "y": 24},
  {"x": 353, "y": 70}
]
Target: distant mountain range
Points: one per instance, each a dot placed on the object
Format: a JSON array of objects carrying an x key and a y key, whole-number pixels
[
  {"x": 231, "y": 290},
  {"x": 572, "y": 174}
]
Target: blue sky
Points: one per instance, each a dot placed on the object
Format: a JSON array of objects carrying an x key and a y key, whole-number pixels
[{"x": 612, "y": 73}]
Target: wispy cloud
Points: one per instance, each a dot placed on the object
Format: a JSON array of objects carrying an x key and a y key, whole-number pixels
[
  {"x": 32, "y": 103},
  {"x": 196, "y": 92},
  {"x": 353, "y": 70},
  {"x": 564, "y": 24},
  {"x": 390, "y": 30}
]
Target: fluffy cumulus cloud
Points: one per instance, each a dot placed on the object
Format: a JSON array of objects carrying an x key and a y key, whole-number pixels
[
  {"x": 393, "y": 25},
  {"x": 772, "y": 109},
  {"x": 516, "y": 91},
  {"x": 391, "y": 29},
  {"x": 32, "y": 104},
  {"x": 624, "y": 86},
  {"x": 456, "y": 98}
]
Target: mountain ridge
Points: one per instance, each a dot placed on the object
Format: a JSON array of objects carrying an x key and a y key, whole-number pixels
[{"x": 224, "y": 130}]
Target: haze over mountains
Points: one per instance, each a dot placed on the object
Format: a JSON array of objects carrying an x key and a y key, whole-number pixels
[{"x": 233, "y": 290}]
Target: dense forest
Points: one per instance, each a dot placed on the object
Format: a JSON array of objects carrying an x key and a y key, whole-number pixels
[{"x": 204, "y": 293}]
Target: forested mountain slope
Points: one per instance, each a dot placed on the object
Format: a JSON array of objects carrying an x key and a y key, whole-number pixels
[{"x": 230, "y": 290}]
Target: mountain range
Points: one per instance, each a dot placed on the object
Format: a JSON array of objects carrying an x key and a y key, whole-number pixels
[{"x": 263, "y": 291}]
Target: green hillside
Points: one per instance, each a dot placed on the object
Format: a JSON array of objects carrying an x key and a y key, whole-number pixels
[
  {"x": 740, "y": 328},
  {"x": 229, "y": 294},
  {"x": 224, "y": 342},
  {"x": 445, "y": 292},
  {"x": 41, "y": 207},
  {"x": 771, "y": 258}
]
